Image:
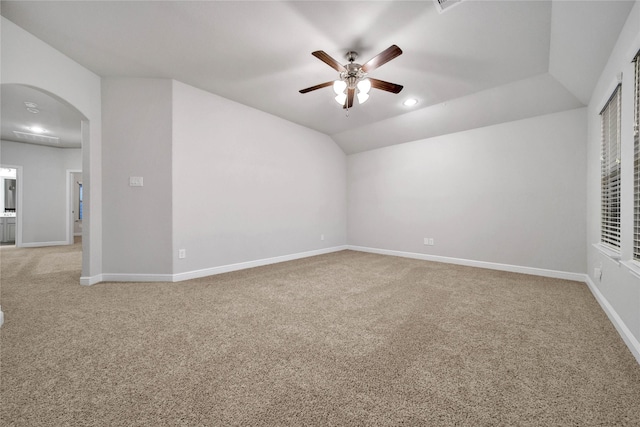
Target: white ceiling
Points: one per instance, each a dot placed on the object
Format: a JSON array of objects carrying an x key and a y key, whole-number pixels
[
  {"x": 55, "y": 116},
  {"x": 477, "y": 64}
]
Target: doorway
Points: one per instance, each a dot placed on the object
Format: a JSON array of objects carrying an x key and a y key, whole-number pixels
[
  {"x": 41, "y": 132},
  {"x": 75, "y": 204},
  {"x": 9, "y": 205}
]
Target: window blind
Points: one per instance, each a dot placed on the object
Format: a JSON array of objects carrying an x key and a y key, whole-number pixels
[
  {"x": 444, "y": 4},
  {"x": 610, "y": 172},
  {"x": 636, "y": 160}
]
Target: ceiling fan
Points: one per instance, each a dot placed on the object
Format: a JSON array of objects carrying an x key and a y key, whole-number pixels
[{"x": 353, "y": 77}]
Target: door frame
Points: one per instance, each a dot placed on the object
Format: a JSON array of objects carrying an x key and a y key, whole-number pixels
[
  {"x": 70, "y": 204},
  {"x": 19, "y": 190}
]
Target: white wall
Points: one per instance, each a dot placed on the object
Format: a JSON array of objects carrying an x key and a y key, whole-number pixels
[
  {"x": 619, "y": 288},
  {"x": 512, "y": 194},
  {"x": 29, "y": 61},
  {"x": 44, "y": 189},
  {"x": 248, "y": 185},
  {"x": 226, "y": 192},
  {"x": 137, "y": 122}
]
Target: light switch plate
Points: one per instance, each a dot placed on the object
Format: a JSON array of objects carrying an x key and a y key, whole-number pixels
[{"x": 135, "y": 181}]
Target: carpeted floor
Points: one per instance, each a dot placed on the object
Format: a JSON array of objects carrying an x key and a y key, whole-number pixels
[{"x": 342, "y": 339}]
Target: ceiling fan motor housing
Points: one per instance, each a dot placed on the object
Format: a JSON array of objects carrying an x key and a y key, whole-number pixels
[{"x": 353, "y": 74}]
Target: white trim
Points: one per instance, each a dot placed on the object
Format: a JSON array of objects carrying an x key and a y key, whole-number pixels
[
  {"x": 19, "y": 215},
  {"x": 251, "y": 264},
  {"x": 69, "y": 227},
  {"x": 128, "y": 277},
  {"x": 611, "y": 88},
  {"x": 1, "y": 316},
  {"x": 628, "y": 338},
  {"x": 609, "y": 253},
  {"x": 90, "y": 280},
  {"x": 42, "y": 244},
  {"x": 196, "y": 274},
  {"x": 481, "y": 264},
  {"x": 633, "y": 267}
]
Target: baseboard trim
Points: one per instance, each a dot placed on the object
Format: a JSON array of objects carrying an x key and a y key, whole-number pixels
[
  {"x": 133, "y": 277},
  {"x": 43, "y": 244},
  {"x": 480, "y": 264},
  {"x": 90, "y": 280},
  {"x": 628, "y": 338},
  {"x": 196, "y": 274}
]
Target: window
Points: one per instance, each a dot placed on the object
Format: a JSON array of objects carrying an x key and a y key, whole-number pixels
[
  {"x": 610, "y": 172},
  {"x": 443, "y": 5},
  {"x": 636, "y": 160}
]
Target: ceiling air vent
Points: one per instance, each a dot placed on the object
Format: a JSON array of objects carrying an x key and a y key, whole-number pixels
[
  {"x": 444, "y": 5},
  {"x": 33, "y": 137}
]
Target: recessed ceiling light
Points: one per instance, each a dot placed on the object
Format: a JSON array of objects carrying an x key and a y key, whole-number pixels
[
  {"x": 410, "y": 102},
  {"x": 33, "y": 110},
  {"x": 37, "y": 129},
  {"x": 30, "y": 104}
]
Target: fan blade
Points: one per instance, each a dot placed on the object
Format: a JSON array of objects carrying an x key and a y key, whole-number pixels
[
  {"x": 322, "y": 56},
  {"x": 389, "y": 87},
  {"x": 320, "y": 86},
  {"x": 349, "y": 102},
  {"x": 382, "y": 58}
]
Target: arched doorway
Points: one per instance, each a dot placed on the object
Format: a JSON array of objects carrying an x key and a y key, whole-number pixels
[{"x": 43, "y": 136}]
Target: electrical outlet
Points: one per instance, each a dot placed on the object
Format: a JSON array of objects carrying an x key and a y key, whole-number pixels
[
  {"x": 431, "y": 241},
  {"x": 182, "y": 253},
  {"x": 597, "y": 273},
  {"x": 426, "y": 241}
]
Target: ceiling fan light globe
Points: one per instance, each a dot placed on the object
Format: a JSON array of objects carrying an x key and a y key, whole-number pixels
[
  {"x": 341, "y": 98},
  {"x": 339, "y": 87},
  {"x": 364, "y": 86},
  {"x": 362, "y": 97}
]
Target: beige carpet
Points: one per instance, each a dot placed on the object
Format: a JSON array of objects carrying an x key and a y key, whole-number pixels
[{"x": 342, "y": 339}]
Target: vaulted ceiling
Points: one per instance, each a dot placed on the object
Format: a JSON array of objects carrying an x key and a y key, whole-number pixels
[{"x": 478, "y": 63}]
